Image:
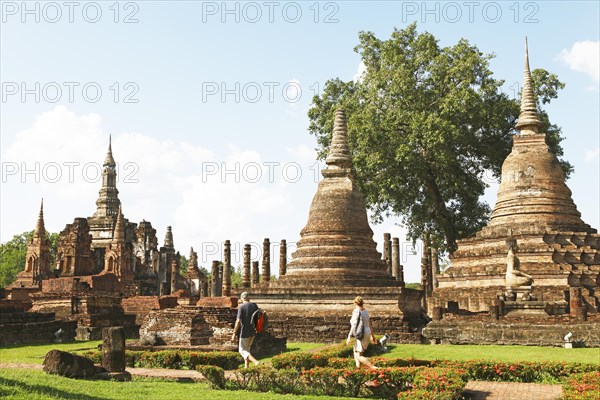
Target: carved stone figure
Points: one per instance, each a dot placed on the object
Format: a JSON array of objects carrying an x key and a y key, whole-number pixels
[{"x": 514, "y": 277}]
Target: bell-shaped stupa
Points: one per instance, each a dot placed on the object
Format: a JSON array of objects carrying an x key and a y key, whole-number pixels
[
  {"x": 533, "y": 193},
  {"x": 535, "y": 209},
  {"x": 337, "y": 242}
]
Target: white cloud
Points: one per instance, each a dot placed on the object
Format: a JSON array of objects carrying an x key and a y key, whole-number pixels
[
  {"x": 583, "y": 57},
  {"x": 362, "y": 68},
  {"x": 592, "y": 154},
  {"x": 206, "y": 197}
]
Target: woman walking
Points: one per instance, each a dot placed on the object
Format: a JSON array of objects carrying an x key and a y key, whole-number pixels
[{"x": 360, "y": 346}]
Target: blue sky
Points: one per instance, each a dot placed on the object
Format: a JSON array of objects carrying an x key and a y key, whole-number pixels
[{"x": 184, "y": 63}]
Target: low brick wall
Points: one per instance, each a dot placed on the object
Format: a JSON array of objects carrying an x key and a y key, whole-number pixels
[
  {"x": 506, "y": 333},
  {"x": 29, "y": 328},
  {"x": 334, "y": 328}
]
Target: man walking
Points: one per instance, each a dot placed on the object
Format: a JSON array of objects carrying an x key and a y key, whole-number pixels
[{"x": 244, "y": 320}]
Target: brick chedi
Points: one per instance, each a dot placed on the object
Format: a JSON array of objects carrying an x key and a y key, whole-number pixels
[
  {"x": 37, "y": 259},
  {"x": 337, "y": 243},
  {"x": 535, "y": 208},
  {"x": 336, "y": 259}
]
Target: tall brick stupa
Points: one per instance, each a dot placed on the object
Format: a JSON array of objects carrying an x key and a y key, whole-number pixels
[
  {"x": 535, "y": 208},
  {"x": 336, "y": 260}
]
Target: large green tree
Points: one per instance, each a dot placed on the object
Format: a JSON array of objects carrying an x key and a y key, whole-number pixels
[
  {"x": 426, "y": 125},
  {"x": 13, "y": 252}
]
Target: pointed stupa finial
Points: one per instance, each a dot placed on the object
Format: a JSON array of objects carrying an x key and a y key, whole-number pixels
[
  {"x": 119, "y": 235},
  {"x": 40, "y": 228},
  {"x": 529, "y": 121},
  {"x": 339, "y": 152},
  {"x": 109, "y": 160},
  {"x": 169, "y": 238}
]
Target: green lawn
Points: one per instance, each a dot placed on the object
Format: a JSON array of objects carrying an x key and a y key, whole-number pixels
[
  {"x": 34, "y": 354},
  {"x": 36, "y": 385},
  {"x": 495, "y": 353}
]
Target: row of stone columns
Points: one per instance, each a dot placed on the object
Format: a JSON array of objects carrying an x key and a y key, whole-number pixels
[
  {"x": 221, "y": 273},
  {"x": 391, "y": 256}
]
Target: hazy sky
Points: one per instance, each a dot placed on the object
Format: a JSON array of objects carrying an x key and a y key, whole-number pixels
[{"x": 206, "y": 103}]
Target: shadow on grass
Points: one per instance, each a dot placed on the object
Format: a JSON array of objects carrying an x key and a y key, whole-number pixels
[{"x": 45, "y": 390}]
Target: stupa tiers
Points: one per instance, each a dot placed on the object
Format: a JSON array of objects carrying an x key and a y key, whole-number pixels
[
  {"x": 336, "y": 259},
  {"x": 337, "y": 244},
  {"x": 534, "y": 207}
]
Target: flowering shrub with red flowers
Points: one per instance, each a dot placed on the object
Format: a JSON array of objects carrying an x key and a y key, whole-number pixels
[
  {"x": 324, "y": 381},
  {"x": 582, "y": 386},
  {"x": 422, "y": 394},
  {"x": 299, "y": 361},
  {"x": 522, "y": 371},
  {"x": 439, "y": 380}
]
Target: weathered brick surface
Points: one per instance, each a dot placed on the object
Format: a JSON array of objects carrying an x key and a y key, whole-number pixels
[
  {"x": 17, "y": 327},
  {"x": 539, "y": 331}
]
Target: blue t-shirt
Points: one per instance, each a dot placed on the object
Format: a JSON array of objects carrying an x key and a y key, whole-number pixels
[{"x": 244, "y": 314}]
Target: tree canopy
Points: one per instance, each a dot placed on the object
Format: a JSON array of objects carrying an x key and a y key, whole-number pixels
[
  {"x": 425, "y": 125},
  {"x": 13, "y": 252}
]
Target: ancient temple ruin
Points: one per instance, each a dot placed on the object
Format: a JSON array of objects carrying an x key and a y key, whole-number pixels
[
  {"x": 335, "y": 261},
  {"x": 536, "y": 228}
]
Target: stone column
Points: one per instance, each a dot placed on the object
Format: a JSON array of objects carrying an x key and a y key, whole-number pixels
[
  {"x": 113, "y": 349},
  {"x": 387, "y": 251},
  {"x": 395, "y": 258},
  {"x": 426, "y": 273},
  {"x": 227, "y": 269},
  {"x": 282, "y": 257},
  {"x": 220, "y": 280},
  {"x": 174, "y": 273},
  {"x": 246, "y": 275},
  {"x": 435, "y": 267},
  {"x": 204, "y": 289},
  {"x": 214, "y": 282},
  {"x": 266, "y": 261},
  {"x": 255, "y": 273}
]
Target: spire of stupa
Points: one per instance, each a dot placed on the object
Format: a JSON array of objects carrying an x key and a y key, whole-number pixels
[
  {"x": 109, "y": 160},
  {"x": 108, "y": 202},
  {"x": 169, "y": 238},
  {"x": 339, "y": 153},
  {"x": 529, "y": 121},
  {"x": 119, "y": 235},
  {"x": 40, "y": 229}
]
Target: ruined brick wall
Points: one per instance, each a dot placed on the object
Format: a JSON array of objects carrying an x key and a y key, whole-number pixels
[
  {"x": 480, "y": 299},
  {"x": 334, "y": 328},
  {"x": 538, "y": 333},
  {"x": 92, "y": 313},
  {"x": 18, "y": 327},
  {"x": 141, "y": 306},
  {"x": 176, "y": 327}
]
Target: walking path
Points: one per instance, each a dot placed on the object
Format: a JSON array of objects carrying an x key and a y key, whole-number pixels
[{"x": 475, "y": 390}]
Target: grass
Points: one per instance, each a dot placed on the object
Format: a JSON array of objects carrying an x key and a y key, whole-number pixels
[
  {"x": 494, "y": 353},
  {"x": 36, "y": 385},
  {"x": 34, "y": 354}
]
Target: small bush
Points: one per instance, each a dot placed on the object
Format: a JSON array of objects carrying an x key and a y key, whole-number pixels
[
  {"x": 214, "y": 375},
  {"x": 174, "y": 359},
  {"x": 324, "y": 381},
  {"x": 421, "y": 394},
  {"x": 299, "y": 361},
  {"x": 437, "y": 380},
  {"x": 582, "y": 386}
]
